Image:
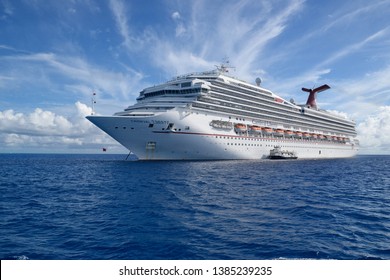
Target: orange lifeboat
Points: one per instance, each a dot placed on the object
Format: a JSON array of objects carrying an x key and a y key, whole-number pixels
[
  {"x": 314, "y": 136},
  {"x": 267, "y": 130},
  {"x": 279, "y": 132},
  {"x": 289, "y": 133},
  {"x": 255, "y": 129},
  {"x": 298, "y": 133},
  {"x": 306, "y": 135},
  {"x": 321, "y": 136},
  {"x": 239, "y": 127}
]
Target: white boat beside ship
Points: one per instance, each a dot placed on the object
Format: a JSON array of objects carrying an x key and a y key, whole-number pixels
[
  {"x": 213, "y": 116},
  {"x": 278, "y": 153}
]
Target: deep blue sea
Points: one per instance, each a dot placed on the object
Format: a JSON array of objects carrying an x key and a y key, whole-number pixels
[{"x": 103, "y": 207}]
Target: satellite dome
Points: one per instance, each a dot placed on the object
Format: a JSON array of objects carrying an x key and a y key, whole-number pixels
[{"x": 258, "y": 81}]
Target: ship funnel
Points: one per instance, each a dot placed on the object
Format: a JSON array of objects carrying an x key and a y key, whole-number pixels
[{"x": 311, "y": 100}]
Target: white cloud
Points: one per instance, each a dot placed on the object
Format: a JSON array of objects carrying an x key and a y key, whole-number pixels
[
  {"x": 133, "y": 40},
  {"x": 7, "y": 9},
  {"x": 46, "y": 123},
  {"x": 176, "y": 15},
  {"x": 80, "y": 76},
  {"x": 180, "y": 28},
  {"x": 239, "y": 30},
  {"x": 374, "y": 132},
  {"x": 362, "y": 95},
  {"x": 354, "y": 47},
  {"x": 46, "y": 130},
  {"x": 340, "y": 114},
  {"x": 119, "y": 12}
]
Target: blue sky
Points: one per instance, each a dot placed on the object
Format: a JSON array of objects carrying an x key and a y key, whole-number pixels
[{"x": 54, "y": 54}]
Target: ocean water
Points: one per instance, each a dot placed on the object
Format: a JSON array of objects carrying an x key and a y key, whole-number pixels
[{"x": 103, "y": 207}]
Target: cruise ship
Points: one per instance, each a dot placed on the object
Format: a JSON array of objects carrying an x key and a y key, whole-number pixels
[{"x": 214, "y": 116}]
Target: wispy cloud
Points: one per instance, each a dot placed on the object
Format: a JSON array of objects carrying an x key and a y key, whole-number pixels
[
  {"x": 76, "y": 73},
  {"x": 119, "y": 12},
  {"x": 7, "y": 9},
  {"x": 133, "y": 41},
  {"x": 354, "y": 47},
  {"x": 341, "y": 17},
  {"x": 240, "y": 31}
]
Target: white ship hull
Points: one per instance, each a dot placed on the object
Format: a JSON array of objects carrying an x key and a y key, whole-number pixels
[{"x": 184, "y": 134}]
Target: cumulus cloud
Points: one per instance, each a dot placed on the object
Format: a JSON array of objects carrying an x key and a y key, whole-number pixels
[
  {"x": 46, "y": 123},
  {"x": 374, "y": 132},
  {"x": 43, "y": 129}
]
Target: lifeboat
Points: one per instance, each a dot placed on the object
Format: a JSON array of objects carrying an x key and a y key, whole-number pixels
[
  {"x": 255, "y": 129},
  {"x": 321, "y": 136},
  {"x": 306, "y": 135},
  {"x": 298, "y": 133},
  {"x": 314, "y": 136},
  {"x": 289, "y": 133},
  {"x": 267, "y": 130},
  {"x": 239, "y": 127},
  {"x": 279, "y": 132}
]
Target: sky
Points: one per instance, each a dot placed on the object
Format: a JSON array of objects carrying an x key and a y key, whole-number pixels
[{"x": 55, "y": 54}]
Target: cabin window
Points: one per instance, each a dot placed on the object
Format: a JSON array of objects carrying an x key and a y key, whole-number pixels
[{"x": 188, "y": 84}]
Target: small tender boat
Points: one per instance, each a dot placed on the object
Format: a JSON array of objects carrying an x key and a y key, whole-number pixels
[{"x": 278, "y": 153}]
